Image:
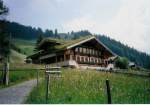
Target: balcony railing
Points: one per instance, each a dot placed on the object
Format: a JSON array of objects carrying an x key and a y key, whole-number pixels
[{"x": 66, "y": 63}]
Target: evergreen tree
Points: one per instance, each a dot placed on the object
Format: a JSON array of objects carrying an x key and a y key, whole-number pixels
[
  {"x": 3, "y": 10},
  {"x": 4, "y": 42},
  {"x": 39, "y": 39},
  {"x": 56, "y": 33}
]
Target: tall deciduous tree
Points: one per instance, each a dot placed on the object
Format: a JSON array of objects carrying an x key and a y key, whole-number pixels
[{"x": 4, "y": 42}]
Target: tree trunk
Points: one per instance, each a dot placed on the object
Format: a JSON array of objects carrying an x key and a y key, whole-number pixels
[{"x": 6, "y": 73}]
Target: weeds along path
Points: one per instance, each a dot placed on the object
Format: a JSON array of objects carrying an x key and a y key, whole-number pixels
[{"x": 16, "y": 94}]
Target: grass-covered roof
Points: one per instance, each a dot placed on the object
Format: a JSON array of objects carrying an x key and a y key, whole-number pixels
[
  {"x": 58, "y": 44},
  {"x": 63, "y": 44}
]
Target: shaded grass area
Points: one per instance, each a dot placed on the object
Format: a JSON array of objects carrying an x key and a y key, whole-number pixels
[
  {"x": 14, "y": 66},
  {"x": 88, "y": 87},
  {"x": 19, "y": 76},
  {"x": 19, "y": 73}
]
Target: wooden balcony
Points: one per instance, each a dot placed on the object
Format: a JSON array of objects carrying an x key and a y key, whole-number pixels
[
  {"x": 87, "y": 51},
  {"x": 66, "y": 63}
]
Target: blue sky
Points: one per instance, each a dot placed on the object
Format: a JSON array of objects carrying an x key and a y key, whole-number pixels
[{"x": 124, "y": 20}]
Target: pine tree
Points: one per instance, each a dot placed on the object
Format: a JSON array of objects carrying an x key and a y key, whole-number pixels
[
  {"x": 39, "y": 39},
  {"x": 56, "y": 32},
  {"x": 5, "y": 44}
]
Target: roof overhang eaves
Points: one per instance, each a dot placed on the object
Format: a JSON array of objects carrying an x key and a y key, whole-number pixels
[
  {"x": 47, "y": 56},
  {"x": 83, "y": 41}
]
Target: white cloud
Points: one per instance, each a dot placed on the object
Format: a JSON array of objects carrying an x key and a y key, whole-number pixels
[
  {"x": 131, "y": 24},
  {"x": 80, "y": 24},
  {"x": 124, "y": 20}
]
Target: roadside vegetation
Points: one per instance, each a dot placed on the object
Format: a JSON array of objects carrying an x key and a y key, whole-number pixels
[
  {"x": 20, "y": 73},
  {"x": 88, "y": 87}
]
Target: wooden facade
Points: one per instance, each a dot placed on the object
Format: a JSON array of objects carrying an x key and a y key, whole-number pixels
[{"x": 89, "y": 52}]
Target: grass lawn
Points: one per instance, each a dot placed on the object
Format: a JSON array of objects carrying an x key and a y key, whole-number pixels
[{"x": 88, "y": 87}]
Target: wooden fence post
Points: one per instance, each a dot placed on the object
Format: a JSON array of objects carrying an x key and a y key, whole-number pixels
[
  {"x": 108, "y": 92},
  {"x": 48, "y": 72},
  {"x": 47, "y": 87},
  {"x": 6, "y": 74},
  {"x": 37, "y": 78}
]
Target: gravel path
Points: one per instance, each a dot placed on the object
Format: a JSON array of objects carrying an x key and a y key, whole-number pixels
[{"x": 16, "y": 94}]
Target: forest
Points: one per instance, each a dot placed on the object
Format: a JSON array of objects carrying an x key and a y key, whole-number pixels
[{"x": 19, "y": 31}]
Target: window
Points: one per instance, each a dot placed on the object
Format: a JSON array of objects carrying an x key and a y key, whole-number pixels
[
  {"x": 96, "y": 52},
  {"x": 92, "y": 60},
  {"x": 80, "y": 50},
  {"x": 96, "y": 60},
  {"x": 99, "y": 53},
  {"x": 84, "y": 50},
  {"x": 86, "y": 59},
  {"x": 87, "y": 51},
  {"x": 100, "y": 60},
  {"x": 78, "y": 58},
  {"x": 82, "y": 59},
  {"x": 90, "y": 51},
  {"x": 93, "y": 52},
  {"x": 77, "y": 49}
]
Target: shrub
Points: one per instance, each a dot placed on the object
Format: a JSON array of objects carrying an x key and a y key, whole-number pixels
[
  {"x": 122, "y": 63},
  {"x": 28, "y": 60}
]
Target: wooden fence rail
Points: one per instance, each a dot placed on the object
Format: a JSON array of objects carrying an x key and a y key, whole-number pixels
[{"x": 147, "y": 74}]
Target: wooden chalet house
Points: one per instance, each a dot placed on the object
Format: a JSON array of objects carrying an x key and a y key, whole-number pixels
[{"x": 86, "y": 52}]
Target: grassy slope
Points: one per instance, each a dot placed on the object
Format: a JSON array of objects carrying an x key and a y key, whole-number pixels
[
  {"x": 16, "y": 57},
  {"x": 89, "y": 87},
  {"x": 26, "y": 46},
  {"x": 17, "y": 62}
]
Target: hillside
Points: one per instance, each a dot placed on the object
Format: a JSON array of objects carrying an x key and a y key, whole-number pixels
[
  {"x": 21, "y": 49},
  {"x": 24, "y": 46},
  {"x": 27, "y": 34},
  {"x": 140, "y": 58},
  {"x": 16, "y": 57}
]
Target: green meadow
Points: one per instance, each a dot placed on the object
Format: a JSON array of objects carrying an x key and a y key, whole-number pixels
[
  {"x": 26, "y": 47},
  {"x": 88, "y": 87}
]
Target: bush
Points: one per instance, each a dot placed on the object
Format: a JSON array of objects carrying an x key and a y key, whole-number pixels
[
  {"x": 122, "y": 63},
  {"x": 28, "y": 60}
]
